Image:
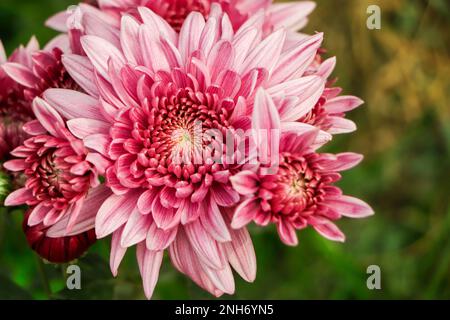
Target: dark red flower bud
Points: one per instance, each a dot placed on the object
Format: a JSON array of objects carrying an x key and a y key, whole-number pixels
[{"x": 57, "y": 250}]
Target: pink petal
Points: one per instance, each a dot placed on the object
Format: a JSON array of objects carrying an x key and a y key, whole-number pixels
[
  {"x": 152, "y": 53},
  {"x": 136, "y": 229},
  {"x": 341, "y": 125},
  {"x": 32, "y": 45},
  {"x": 266, "y": 54},
  {"x": 73, "y": 212},
  {"x": 241, "y": 254},
  {"x": 330, "y": 231},
  {"x": 61, "y": 41},
  {"x": 149, "y": 264},
  {"x": 15, "y": 165},
  {"x": 209, "y": 36},
  {"x": 224, "y": 195},
  {"x": 99, "y": 52},
  {"x": 38, "y": 214},
  {"x": 327, "y": 68},
  {"x": 94, "y": 25},
  {"x": 245, "y": 182},
  {"x": 295, "y": 62},
  {"x": 189, "y": 211},
  {"x": 245, "y": 213},
  {"x": 343, "y": 104},
  {"x": 82, "y": 127},
  {"x": 20, "y": 74},
  {"x": 114, "y": 212},
  {"x": 300, "y": 137},
  {"x": 221, "y": 58},
  {"x": 146, "y": 200},
  {"x": 3, "y": 57},
  {"x": 99, "y": 142},
  {"x": 159, "y": 239},
  {"x": 129, "y": 39},
  {"x": 266, "y": 125},
  {"x": 312, "y": 88},
  {"x": 18, "y": 197},
  {"x": 48, "y": 117},
  {"x": 82, "y": 71},
  {"x": 213, "y": 222},
  {"x": 349, "y": 206},
  {"x": 242, "y": 43},
  {"x": 165, "y": 218},
  {"x": 34, "y": 128},
  {"x": 343, "y": 161},
  {"x": 158, "y": 25},
  {"x": 287, "y": 233},
  {"x": 117, "y": 252},
  {"x": 58, "y": 22},
  {"x": 52, "y": 217},
  {"x": 167, "y": 197},
  {"x": 291, "y": 15},
  {"x": 86, "y": 218},
  {"x": 100, "y": 163},
  {"x": 186, "y": 261},
  {"x": 221, "y": 278},
  {"x": 73, "y": 104},
  {"x": 190, "y": 34},
  {"x": 80, "y": 168},
  {"x": 204, "y": 245}
]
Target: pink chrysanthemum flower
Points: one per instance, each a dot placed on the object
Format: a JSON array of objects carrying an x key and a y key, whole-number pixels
[
  {"x": 155, "y": 86},
  {"x": 44, "y": 70},
  {"x": 330, "y": 110},
  {"x": 62, "y": 184},
  {"x": 14, "y": 108},
  {"x": 300, "y": 192},
  {"x": 291, "y": 15}
]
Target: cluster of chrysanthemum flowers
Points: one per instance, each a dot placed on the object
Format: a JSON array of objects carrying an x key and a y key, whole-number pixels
[{"x": 171, "y": 125}]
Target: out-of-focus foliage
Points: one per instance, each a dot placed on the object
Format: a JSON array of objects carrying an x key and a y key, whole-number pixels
[{"x": 402, "y": 72}]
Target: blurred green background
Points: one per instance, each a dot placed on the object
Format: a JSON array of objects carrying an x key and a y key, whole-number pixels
[{"x": 403, "y": 73}]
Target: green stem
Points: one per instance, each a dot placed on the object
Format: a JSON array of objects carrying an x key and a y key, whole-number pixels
[
  {"x": 44, "y": 278},
  {"x": 63, "y": 272}
]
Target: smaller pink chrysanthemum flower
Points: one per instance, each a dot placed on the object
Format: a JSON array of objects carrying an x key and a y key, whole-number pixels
[
  {"x": 329, "y": 113},
  {"x": 25, "y": 75},
  {"x": 14, "y": 108},
  {"x": 60, "y": 174},
  {"x": 44, "y": 70},
  {"x": 301, "y": 191}
]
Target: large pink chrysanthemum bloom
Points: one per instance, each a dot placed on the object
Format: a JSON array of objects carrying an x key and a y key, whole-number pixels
[
  {"x": 62, "y": 184},
  {"x": 301, "y": 192},
  {"x": 291, "y": 15},
  {"x": 14, "y": 108},
  {"x": 154, "y": 86},
  {"x": 154, "y": 83}
]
